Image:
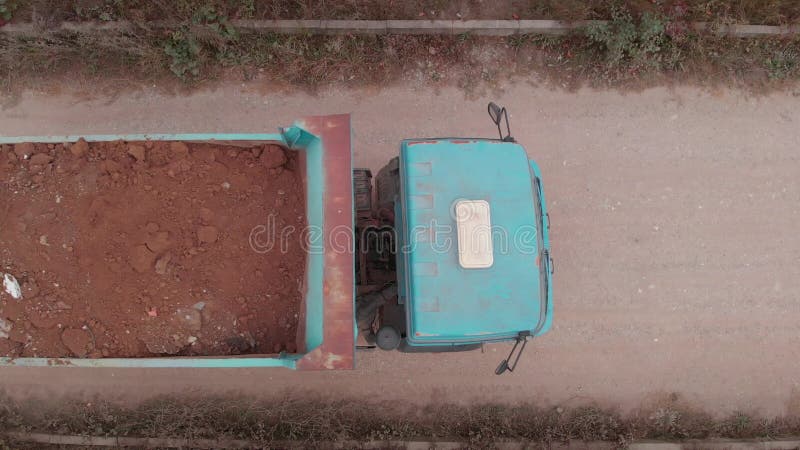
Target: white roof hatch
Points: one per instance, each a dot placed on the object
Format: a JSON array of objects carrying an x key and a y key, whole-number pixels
[{"x": 474, "y": 227}]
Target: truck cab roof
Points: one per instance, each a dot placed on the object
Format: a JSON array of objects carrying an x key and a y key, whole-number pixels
[{"x": 471, "y": 241}]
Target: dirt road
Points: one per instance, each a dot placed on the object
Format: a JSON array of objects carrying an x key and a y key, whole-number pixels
[{"x": 677, "y": 256}]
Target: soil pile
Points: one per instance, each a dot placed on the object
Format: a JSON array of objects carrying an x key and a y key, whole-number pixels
[{"x": 135, "y": 249}]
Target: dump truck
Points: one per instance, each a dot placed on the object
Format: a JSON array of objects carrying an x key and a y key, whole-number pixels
[{"x": 445, "y": 249}]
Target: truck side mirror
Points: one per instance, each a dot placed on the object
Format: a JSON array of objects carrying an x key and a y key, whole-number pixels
[{"x": 497, "y": 114}]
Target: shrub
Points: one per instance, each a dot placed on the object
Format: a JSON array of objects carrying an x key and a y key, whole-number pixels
[{"x": 626, "y": 46}]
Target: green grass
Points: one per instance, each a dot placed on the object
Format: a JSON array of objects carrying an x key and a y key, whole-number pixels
[
  {"x": 7, "y": 9},
  {"x": 782, "y": 64},
  {"x": 752, "y": 11},
  {"x": 631, "y": 50}
]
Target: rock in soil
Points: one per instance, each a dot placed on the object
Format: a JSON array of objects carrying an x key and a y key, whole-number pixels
[
  {"x": 110, "y": 166},
  {"x": 163, "y": 343},
  {"x": 158, "y": 241},
  {"x": 142, "y": 259},
  {"x": 179, "y": 149},
  {"x": 134, "y": 250},
  {"x": 30, "y": 289},
  {"x": 161, "y": 264},
  {"x": 207, "y": 234},
  {"x": 41, "y": 159},
  {"x": 78, "y": 341},
  {"x": 206, "y": 153},
  {"x": 11, "y": 286},
  {"x": 24, "y": 150},
  {"x": 5, "y": 328},
  {"x": 206, "y": 215},
  {"x": 137, "y": 151},
  {"x": 190, "y": 317},
  {"x": 272, "y": 156},
  {"x": 79, "y": 148}
]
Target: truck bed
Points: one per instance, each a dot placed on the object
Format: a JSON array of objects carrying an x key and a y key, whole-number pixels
[
  {"x": 178, "y": 250},
  {"x": 135, "y": 249}
]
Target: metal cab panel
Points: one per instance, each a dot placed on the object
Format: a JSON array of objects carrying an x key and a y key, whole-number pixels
[{"x": 448, "y": 303}]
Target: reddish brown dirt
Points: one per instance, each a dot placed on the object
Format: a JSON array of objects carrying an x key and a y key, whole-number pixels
[{"x": 134, "y": 249}]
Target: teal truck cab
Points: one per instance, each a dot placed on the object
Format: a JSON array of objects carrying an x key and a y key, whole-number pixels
[{"x": 455, "y": 251}]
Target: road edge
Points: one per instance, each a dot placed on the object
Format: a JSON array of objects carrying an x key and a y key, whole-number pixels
[
  {"x": 419, "y": 444},
  {"x": 432, "y": 27}
]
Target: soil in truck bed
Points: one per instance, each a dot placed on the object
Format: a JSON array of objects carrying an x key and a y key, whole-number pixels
[{"x": 141, "y": 249}]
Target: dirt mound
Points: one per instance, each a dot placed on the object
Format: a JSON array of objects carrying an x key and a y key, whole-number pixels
[{"x": 134, "y": 249}]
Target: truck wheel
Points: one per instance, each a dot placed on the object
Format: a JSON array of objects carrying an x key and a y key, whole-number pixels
[{"x": 387, "y": 338}]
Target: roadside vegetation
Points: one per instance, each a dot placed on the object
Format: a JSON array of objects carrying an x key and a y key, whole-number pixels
[
  {"x": 643, "y": 43},
  {"x": 766, "y": 12},
  {"x": 316, "y": 420}
]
